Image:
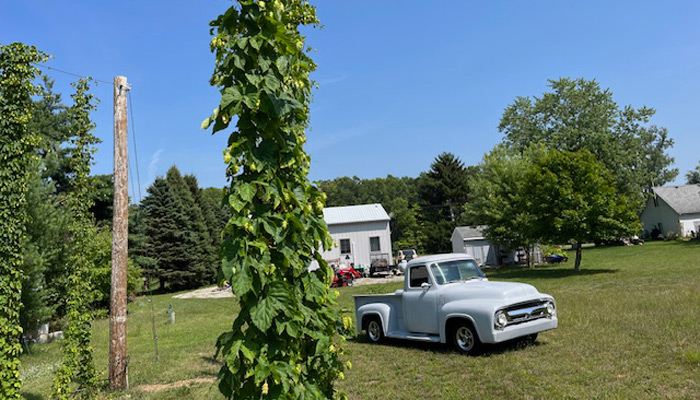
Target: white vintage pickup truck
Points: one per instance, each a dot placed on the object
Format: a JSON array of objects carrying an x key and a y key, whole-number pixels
[{"x": 446, "y": 298}]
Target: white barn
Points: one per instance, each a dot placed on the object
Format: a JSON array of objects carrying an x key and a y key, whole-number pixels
[
  {"x": 673, "y": 209},
  {"x": 360, "y": 234}
]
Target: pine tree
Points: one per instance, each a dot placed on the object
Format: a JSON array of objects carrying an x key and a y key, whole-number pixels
[
  {"x": 205, "y": 226},
  {"x": 195, "y": 235},
  {"x": 160, "y": 229}
]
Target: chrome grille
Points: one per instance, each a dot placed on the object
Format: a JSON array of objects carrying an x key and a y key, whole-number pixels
[{"x": 519, "y": 313}]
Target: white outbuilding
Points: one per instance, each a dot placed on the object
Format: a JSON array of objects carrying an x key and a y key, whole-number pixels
[
  {"x": 673, "y": 209},
  {"x": 361, "y": 234},
  {"x": 471, "y": 240}
]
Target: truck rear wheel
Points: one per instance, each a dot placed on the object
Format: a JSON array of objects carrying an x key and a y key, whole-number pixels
[
  {"x": 375, "y": 333},
  {"x": 464, "y": 338}
]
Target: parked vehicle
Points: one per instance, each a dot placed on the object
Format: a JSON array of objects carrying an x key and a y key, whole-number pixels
[
  {"x": 447, "y": 298},
  {"x": 556, "y": 259},
  {"x": 350, "y": 272},
  {"x": 406, "y": 254},
  {"x": 379, "y": 262},
  {"x": 340, "y": 279}
]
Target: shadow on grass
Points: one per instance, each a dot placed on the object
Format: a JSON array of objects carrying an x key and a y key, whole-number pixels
[
  {"x": 547, "y": 273},
  {"x": 32, "y": 396},
  {"x": 487, "y": 350}
]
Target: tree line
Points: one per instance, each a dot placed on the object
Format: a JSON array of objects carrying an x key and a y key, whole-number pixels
[{"x": 573, "y": 167}]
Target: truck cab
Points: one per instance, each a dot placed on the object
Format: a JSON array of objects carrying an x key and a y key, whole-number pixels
[{"x": 447, "y": 298}]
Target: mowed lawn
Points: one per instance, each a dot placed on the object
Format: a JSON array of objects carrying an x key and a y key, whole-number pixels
[{"x": 629, "y": 327}]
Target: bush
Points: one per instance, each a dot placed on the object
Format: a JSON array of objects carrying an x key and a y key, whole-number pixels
[
  {"x": 552, "y": 250},
  {"x": 670, "y": 235},
  {"x": 101, "y": 254}
]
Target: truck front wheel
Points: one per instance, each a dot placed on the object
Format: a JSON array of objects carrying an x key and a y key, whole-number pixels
[
  {"x": 375, "y": 333},
  {"x": 465, "y": 339}
]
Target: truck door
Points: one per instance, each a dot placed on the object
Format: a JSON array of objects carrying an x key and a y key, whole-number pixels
[{"x": 420, "y": 305}]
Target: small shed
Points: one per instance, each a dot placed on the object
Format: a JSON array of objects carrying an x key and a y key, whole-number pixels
[
  {"x": 672, "y": 209},
  {"x": 360, "y": 234},
  {"x": 471, "y": 240}
]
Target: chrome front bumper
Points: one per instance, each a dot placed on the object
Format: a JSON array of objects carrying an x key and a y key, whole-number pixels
[{"x": 523, "y": 329}]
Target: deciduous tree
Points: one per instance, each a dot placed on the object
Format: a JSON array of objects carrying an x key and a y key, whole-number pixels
[
  {"x": 571, "y": 198},
  {"x": 498, "y": 200},
  {"x": 579, "y": 114},
  {"x": 693, "y": 176}
]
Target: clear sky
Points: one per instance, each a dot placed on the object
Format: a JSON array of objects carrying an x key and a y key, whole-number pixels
[{"x": 400, "y": 81}]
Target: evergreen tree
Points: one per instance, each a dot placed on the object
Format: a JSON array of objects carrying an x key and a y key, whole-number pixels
[
  {"x": 161, "y": 230},
  {"x": 444, "y": 188},
  {"x": 138, "y": 243},
  {"x": 44, "y": 257},
  {"x": 204, "y": 226},
  {"x": 443, "y": 191}
]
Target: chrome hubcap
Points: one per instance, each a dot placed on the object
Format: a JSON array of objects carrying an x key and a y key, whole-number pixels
[
  {"x": 374, "y": 331},
  {"x": 465, "y": 338}
]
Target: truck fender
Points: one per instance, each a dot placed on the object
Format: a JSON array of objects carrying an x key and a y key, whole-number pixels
[
  {"x": 383, "y": 311},
  {"x": 480, "y": 315}
]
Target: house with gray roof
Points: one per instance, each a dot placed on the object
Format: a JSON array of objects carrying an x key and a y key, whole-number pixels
[
  {"x": 361, "y": 234},
  {"x": 672, "y": 209}
]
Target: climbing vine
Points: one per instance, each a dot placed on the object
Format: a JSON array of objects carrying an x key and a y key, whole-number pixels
[
  {"x": 17, "y": 144},
  {"x": 77, "y": 365},
  {"x": 281, "y": 344}
]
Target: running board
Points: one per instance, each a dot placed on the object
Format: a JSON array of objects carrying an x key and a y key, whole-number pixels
[{"x": 420, "y": 337}]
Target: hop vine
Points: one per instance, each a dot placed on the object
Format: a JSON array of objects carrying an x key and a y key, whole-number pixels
[
  {"x": 281, "y": 344},
  {"x": 17, "y": 144},
  {"x": 77, "y": 367}
]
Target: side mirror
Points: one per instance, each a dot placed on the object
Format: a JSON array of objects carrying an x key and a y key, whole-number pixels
[{"x": 425, "y": 285}]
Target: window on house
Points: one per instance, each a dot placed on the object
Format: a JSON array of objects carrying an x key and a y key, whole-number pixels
[
  {"x": 419, "y": 275},
  {"x": 374, "y": 244},
  {"x": 656, "y": 201},
  {"x": 344, "y": 246}
]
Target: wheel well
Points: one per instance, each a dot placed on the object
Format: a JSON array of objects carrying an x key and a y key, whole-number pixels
[
  {"x": 368, "y": 317},
  {"x": 452, "y": 322}
]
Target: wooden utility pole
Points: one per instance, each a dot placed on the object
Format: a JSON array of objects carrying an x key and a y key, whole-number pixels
[{"x": 120, "y": 231}]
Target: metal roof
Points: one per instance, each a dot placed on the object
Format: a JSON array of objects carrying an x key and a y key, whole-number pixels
[
  {"x": 440, "y": 257},
  {"x": 355, "y": 214},
  {"x": 471, "y": 232},
  {"x": 682, "y": 199}
]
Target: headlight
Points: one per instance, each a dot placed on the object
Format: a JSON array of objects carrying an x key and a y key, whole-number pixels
[
  {"x": 501, "y": 320},
  {"x": 550, "y": 309}
]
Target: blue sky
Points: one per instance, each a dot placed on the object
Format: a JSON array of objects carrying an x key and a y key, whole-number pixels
[{"x": 400, "y": 81}]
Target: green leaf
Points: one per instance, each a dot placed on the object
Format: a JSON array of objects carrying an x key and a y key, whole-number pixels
[
  {"x": 246, "y": 191},
  {"x": 229, "y": 95},
  {"x": 263, "y": 313},
  {"x": 242, "y": 281},
  {"x": 282, "y": 64}
]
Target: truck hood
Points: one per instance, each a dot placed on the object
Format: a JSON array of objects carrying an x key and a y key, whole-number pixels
[{"x": 505, "y": 292}]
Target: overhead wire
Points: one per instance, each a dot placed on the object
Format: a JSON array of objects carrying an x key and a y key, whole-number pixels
[{"x": 70, "y": 73}]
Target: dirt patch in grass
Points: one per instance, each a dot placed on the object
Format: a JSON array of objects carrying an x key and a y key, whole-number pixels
[
  {"x": 215, "y": 292},
  {"x": 377, "y": 280},
  {"x": 212, "y": 292},
  {"x": 173, "y": 385}
]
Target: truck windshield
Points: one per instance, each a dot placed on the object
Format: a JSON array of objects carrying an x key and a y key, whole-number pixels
[{"x": 456, "y": 271}]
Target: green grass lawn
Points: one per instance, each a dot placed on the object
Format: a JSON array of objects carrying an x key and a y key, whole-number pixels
[{"x": 629, "y": 327}]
